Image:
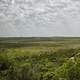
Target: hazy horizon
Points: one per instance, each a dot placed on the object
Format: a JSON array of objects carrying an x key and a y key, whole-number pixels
[{"x": 39, "y": 18}]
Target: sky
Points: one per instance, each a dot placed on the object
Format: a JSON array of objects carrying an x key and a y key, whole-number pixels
[{"x": 39, "y": 18}]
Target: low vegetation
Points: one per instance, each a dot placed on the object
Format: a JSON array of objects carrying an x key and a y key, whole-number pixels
[{"x": 44, "y": 60}]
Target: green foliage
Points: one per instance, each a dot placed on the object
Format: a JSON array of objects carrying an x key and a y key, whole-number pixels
[
  {"x": 19, "y": 64},
  {"x": 42, "y": 60}
]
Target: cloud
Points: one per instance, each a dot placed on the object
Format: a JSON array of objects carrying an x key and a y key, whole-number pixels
[{"x": 39, "y": 17}]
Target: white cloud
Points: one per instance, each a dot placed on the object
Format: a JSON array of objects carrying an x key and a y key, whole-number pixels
[{"x": 39, "y": 17}]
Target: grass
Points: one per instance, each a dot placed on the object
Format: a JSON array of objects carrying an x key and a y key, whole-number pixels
[{"x": 40, "y": 58}]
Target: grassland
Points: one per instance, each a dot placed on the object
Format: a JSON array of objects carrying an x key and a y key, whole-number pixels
[{"x": 42, "y": 58}]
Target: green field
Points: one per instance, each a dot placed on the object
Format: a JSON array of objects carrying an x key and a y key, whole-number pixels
[{"x": 40, "y": 58}]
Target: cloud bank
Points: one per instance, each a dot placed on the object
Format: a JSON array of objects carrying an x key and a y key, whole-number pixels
[{"x": 20, "y": 18}]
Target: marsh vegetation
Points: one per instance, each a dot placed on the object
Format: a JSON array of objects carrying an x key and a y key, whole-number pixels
[{"x": 40, "y": 58}]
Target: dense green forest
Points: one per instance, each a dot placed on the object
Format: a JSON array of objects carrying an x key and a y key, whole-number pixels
[{"x": 55, "y": 58}]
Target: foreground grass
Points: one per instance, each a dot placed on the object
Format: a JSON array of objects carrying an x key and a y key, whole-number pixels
[{"x": 39, "y": 64}]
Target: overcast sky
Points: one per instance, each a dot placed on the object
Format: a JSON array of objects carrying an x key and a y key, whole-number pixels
[{"x": 19, "y": 18}]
